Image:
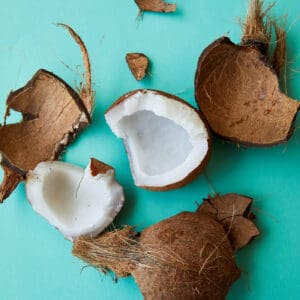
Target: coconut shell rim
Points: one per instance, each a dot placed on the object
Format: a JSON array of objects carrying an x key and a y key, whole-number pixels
[{"x": 197, "y": 170}]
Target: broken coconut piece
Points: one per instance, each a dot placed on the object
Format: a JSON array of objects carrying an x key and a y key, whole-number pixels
[
  {"x": 237, "y": 87},
  {"x": 167, "y": 142},
  {"x": 75, "y": 201},
  {"x": 53, "y": 113},
  {"x": 155, "y": 6},
  {"x": 138, "y": 64},
  {"x": 188, "y": 256}
]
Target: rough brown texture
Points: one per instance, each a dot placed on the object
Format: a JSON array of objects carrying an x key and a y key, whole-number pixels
[
  {"x": 155, "y": 6},
  {"x": 198, "y": 170},
  {"x": 241, "y": 230},
  {"x": 188, "y": 256},
  {"x": 99, "y": 167},
  {"x": 237, "y": 88},
  {"x": 53, "y": 113},
  {"x": 114, "y": 250},
  {"x": 10, "y": 181},
  {"x": 138, "y": 64},
  {"x": 86, "y": 91}
]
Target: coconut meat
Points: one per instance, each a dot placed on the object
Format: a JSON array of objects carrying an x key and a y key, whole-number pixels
[
  {"x": 165, "y": 139},
  {"x": 72, "y": 199}
]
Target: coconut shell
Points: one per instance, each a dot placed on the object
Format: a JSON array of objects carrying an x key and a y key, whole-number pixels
[
  {"x": 53, "y": 113},
  {"x": 237, "y": 86},
  {"x": 99, "y": 167},
  {"x": 232, "y": 211},
  {"x": 56, "y": 114},
  {"x": 187, "y": 256},
  {"x": 155, "y": 6},
  {"x": 138, "y": 64},
  {"x": 198, "y": 170}
]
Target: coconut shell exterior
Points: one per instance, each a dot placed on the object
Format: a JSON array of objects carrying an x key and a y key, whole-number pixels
[
  {"x": 192, "y": 271},
  {"x": 188, "y": 256},
  {"x": 53, "y": 113},
  {"x": 200, "y": 168},
  {"x": 238, "y": 92},
  {"x": 155, "y": 6},
  {"x": 138, "y": 64}
]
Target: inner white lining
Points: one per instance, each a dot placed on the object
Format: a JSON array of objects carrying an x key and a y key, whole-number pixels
[
  {"x": 158, "y": 143},
  {"x": 185, "y": 133},
  {"x": 72, "y": 199}
]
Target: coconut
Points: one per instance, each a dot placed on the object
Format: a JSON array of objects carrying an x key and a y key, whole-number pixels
[
  {"x": 75, "y": 201},
  {"x": 138, "y": 64},
  {"x": 166, "y": 139},
  {"x": 187, "y": 256},
  {"x": 155, "y": 6},
  {"x": 237, "y": 86},
  {"x": 53, "y": 113}
]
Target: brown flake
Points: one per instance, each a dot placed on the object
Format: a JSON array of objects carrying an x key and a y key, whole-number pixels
[
  {"x": 138, "y": 64},
  {"x": 155, "y": 6},
  {"x": 99, "y": 167},
  {"x": 233, "y": 212},
  {"x": 10, "y": 181}
]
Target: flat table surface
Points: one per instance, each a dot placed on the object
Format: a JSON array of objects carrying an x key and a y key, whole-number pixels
[{"x": 35, "y": 260}]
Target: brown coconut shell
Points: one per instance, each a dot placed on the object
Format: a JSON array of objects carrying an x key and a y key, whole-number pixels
[
  {"x": 138, "y": 64},
  {"x": 188, "y": 256},
  {"x": 53, "y": 113},
  {"x": 199, "y": 169},
  {"x": 155, "y": 6},
  {"x": 98, "y": 167},
  {"x": 237, "y": 86}
]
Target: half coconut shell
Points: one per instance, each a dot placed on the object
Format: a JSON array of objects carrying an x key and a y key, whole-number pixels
[
  {"x": 166, "y": 139},
  {"x": 237, "y": 86},
  {"x": 75, "y": 201}
]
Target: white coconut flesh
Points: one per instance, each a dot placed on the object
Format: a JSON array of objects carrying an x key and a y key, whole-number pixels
[
  {"x": 165, "y": 139},
  {"x": 72, "y": 199}
]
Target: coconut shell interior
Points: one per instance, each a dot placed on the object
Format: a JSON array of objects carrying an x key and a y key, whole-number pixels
[
  {"x": 238, "y": 92},
  {"x": 173, "y": 104},
  {"x": 52, "y": 115}
]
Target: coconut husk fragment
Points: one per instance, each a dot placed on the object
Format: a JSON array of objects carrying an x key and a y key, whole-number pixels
[
  {"x": 233, "y": 212},
  {"x": 53, "y": 113},
  {"x": 155, "y": 6},
  {"x": 99, "y": 167},
  {"x": 187, "y": 256},
  {"x": 237, "y": 86},
  {"x": 138, "y": 64}
]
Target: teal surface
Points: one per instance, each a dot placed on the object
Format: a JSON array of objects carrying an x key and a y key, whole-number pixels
[{"x": 35, "y": 260}]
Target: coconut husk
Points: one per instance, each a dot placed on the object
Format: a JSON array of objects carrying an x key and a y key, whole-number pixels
[
  {"x": 138, "y": 64},
  {"x": 237, "y": 86},
  {"x": 187, "y": 256},
  {"x": 155, "y": 6},
  {"x": 53, "y": 113}
]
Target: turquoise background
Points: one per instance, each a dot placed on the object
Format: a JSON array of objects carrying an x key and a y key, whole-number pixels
[{"x": 35, "y": 260}]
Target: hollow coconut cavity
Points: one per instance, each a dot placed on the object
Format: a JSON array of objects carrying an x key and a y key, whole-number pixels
[
  {"x": 237, "y": 86},
  {"x": 166, "y": 140},
  {"x": 75, "y": 201}
]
